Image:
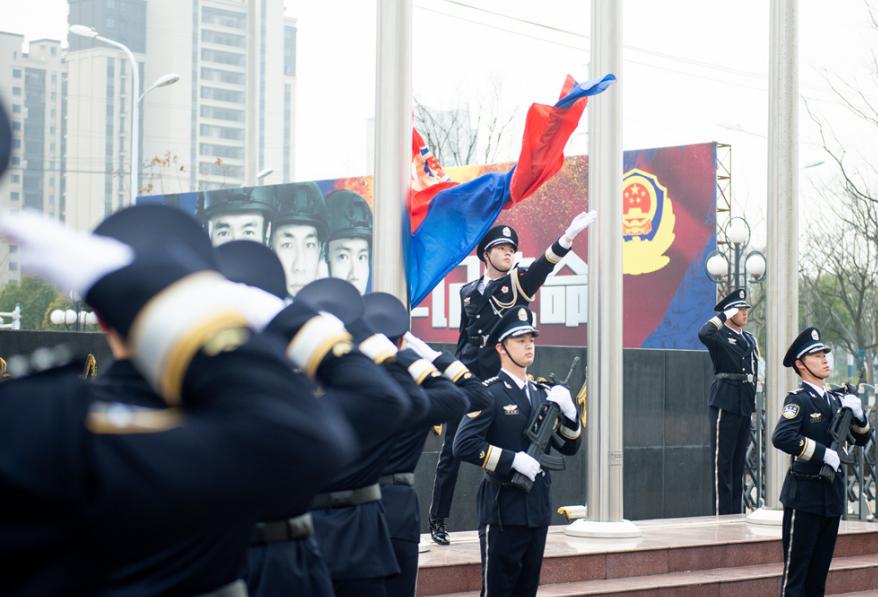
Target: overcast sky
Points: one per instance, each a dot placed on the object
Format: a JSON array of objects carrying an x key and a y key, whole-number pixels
[{"x": 694, "y": 71}]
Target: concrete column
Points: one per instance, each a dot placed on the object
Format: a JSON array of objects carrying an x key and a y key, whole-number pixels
[
  {"x": 393, "y": 142},
  {"x": 605, "y": 448},
  {"x": 782, "y": 249}
]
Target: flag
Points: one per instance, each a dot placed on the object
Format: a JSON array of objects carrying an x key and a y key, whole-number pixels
[{"x": 448, "y": 219}]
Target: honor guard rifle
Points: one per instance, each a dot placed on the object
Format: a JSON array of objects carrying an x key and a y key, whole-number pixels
[
  {"x": 540, "y": 430},
  {"x": 840, "y": 430}
]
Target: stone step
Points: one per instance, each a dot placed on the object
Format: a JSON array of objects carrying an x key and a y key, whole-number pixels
[
  {"x": 854, "y": 574},
  {"x": 682, "y": 547}
]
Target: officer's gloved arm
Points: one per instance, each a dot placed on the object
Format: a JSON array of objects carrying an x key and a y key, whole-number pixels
[
  {"x": 788, "y": 434},
  {"x": 447, "y": 401},
  {"x": 539, "y": 270},
  {"x": 709, "y": 332},
  {"x": 860, "y": 427},
  {"x": 470, "y": 444},
  {"x": 412, "y": 372}
]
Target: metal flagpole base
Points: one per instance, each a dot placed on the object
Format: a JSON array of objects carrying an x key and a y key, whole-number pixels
[
  {"x": 602, "y": 530},
  {"x": 772, "y": 517}
]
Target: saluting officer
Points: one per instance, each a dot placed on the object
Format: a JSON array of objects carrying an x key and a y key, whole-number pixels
[
  {"x": 96, "y": 483},
  {"x": 812, "y": 506},
  {"x": 483, "y": 302},
  {"x": 513, "y": 524},
  {"x": 735, "y": 356}
]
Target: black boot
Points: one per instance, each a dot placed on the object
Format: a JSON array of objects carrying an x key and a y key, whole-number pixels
[{"x": 438, "y": 531}]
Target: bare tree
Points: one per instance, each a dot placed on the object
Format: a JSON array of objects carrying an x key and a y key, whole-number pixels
[
  {"x": 471, "y": 133},
  {"x": 165, "y": 170}
]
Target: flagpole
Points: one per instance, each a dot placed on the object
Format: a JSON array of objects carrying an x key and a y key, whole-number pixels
[
  {"x": 605, "y": 430},
  {"x": 393, "y": 138}
]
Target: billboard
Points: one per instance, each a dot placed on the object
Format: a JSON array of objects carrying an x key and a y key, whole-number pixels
[{"x": 323, "y": 228}]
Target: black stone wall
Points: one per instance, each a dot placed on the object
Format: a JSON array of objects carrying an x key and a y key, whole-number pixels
[{"x": 667, "y": 455}]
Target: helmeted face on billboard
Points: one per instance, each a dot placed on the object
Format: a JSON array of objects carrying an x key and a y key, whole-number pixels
[
  {"x": 224, "y": 228},
  {"x": 298, "y": 248},
  {"x": 348, "y": 259}
]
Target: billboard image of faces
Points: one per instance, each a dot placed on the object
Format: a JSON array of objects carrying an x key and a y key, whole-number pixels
[{"x": 314, "y": 233}]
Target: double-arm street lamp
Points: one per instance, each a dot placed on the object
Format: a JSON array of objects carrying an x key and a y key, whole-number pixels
[
  {"x": 136, "y": 96},
  {"x": 735, "y": 266}
]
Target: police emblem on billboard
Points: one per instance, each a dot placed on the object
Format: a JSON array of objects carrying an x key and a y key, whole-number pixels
[{"x": 647, "y": 223}]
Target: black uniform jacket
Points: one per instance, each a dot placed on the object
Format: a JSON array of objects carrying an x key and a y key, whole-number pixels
[
  {"x": 735, "y": 354},
  {"x": 803, "y": 432},
  {"x": 480, "y": 312},
  {"x": 491, "y": 438},
  {"x": 448, "y": 401},
  {"x": 86, "y": 485}
]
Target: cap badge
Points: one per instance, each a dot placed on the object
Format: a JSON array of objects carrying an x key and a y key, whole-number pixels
[
  {"x": 506, "y": 231},
  {"x": 740, "y": 294},
  {"x": 815, "y": 335},
  {"x": 522, "y": 314}
]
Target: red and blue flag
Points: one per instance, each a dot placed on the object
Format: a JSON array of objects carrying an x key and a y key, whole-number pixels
[{"x": 448, "y": 219}]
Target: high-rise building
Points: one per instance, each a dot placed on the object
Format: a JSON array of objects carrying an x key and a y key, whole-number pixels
[
  {"x": 120, "y": 20},
  {"x": 231, "y": 114},
  {"x": 98, "y": 134},
  {"x": 33, "y": 86}
]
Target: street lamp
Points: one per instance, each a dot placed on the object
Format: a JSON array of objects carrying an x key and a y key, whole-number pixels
[
  {"x": 136, "y": 96},
  {"x": 719, "y": 266}
]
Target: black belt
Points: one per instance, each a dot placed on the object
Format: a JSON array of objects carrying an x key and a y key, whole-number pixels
[
  {"x": 748, "y": 377},
  {"x": 479, "y": 341},
  {"x": 349, "y": 497},
  {"x": 300, "y": 527},
  {"x": 398, "y": 479},
  {"x": 805, "y": 476}
]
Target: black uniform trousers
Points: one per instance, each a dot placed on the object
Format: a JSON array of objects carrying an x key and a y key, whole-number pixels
[
  {"x": 729, "y": 439},
  {"x": 808, "y": 543},
  {"x": 446, "y": 475},
  {"x": 512, "y": 557},
  {"x": 287, "y": 568},
  {"x": 404, "y": 583}
]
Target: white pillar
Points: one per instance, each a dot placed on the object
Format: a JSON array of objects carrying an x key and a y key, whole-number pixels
[
  {"x": 393, "y": 142},
  {"x": 605, "y": 447},
  {"x": 782, "y": 248}
]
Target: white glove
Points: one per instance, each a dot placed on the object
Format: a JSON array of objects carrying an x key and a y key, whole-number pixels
[
  {"x": 68, "y": 259},
  {"x": 526, "y": 464},
  {"x": 258, "y": 306},
  {"x": 419, "y": 346},
  {"x": 830, "y": 457},
  {"x": 580, "y": 223},
  {"x": 854, "y": 403},
  {"x": 561, "y": 396},
  {"x": 378, "y": 347},
  {"x": 729, "y": 313}
]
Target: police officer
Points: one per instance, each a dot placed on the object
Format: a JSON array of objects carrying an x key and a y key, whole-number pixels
[
  {"x": 237, "y": 214},
  {"x": 735, "y": 355},
  {"x": 284, "y": 557},
  {"x": 513, "y": 523},
  {"x": 96, "y": 483},
  {"x": 348, "y": 252},
  {"x": 483, "y": 303},
  {"x": 812, "y": 505},
  {"x": 448, "y": 396},
  {"x": 299, "y": 232}
]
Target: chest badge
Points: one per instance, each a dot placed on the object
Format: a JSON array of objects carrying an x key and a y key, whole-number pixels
[
  {"x": 815, "y": 417},
  {"x": 733, "y": 341},
  {"x": 466, "y": 300},
  {"x": 504, "y": 289},
  {"x": 510, "y": 409}
]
